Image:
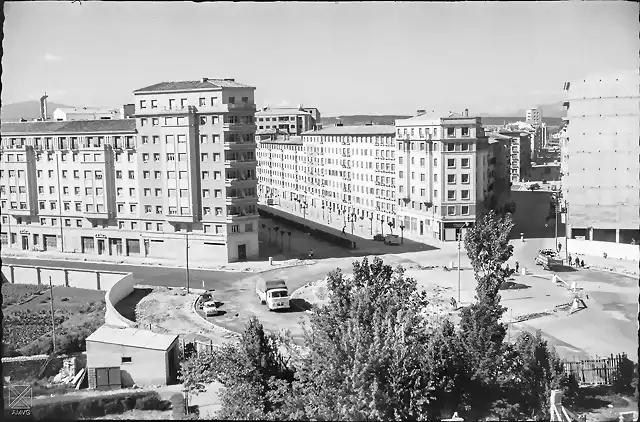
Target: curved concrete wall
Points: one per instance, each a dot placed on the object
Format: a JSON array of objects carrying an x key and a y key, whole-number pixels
[
  {"x": 613, "y": 250},
  {"x": 118, "y": 291}
]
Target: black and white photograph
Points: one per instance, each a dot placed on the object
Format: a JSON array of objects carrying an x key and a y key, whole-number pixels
[{"x": 320, "y": 211}]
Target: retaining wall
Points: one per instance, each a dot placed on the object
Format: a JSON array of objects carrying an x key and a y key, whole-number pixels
[
  {"x": 597, "y": 248},
  {"x": 83, "y": 279},
  {"x": 118, "y": 291}
]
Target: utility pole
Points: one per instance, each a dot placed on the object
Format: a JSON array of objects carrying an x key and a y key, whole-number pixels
[
  {"x": 53, "y": 320},
  {"x": 459, "y": 239},
  {"x": 556, "y": 207},
  {"x": 187, "y": 257}
]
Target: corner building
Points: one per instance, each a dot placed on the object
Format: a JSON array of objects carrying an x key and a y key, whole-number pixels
[{"x": 183, "y": 172}]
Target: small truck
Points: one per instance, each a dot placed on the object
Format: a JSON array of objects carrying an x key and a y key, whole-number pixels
[
  {"x": 549, "y": 259},
  {"x": 273, "y": 293}
]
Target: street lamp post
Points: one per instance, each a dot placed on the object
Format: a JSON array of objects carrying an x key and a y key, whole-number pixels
[
  {"x": 402, "y": 233},
  {"x": 459, "y": 241},
  {"x": 353, "y": 220},
  {"x": 187, "y": 257},
  {"x": 371, "y": 226}
]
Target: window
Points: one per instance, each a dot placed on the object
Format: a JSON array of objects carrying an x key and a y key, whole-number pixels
[
  {"x": 132, "y": 208},
  {"x": 147, "y": 192},
  {"x": 182, "y": 139},
  {"x": 126, "y": 359},
  {"x": 235, "y": 228},
  {"x": 435, "y": 193},
  {"x": 172, "y": 193},
  {"x": 145, "y": 158},
  {"x": 232, "y": 100},
  {"x": 159, "y": 227},
  {"x": 154, "y": 121},
  {"x": 206, "y": 193},
  {"x": 465, "y": 194},
  {"x": 451, "y": 210},
  {"x": 145, "y": 140},
  {"x": 206, "y": 210},
  {"x": 158, "y": 209},
  {"x": 465, "y": 210},
  {"x": 451, "y": 194},
  {"x": 465, "y": 163},
  {"x": 203, "y": 139},
  {"x": 465, "y": 146},
  {"x": 465, "y": 131},
  {"x": 205, "y": 175},
  {"x": 183, "y": 175},
  {"x": 143, "y": 103},
  {"x": 78, "y": 207},
  {"x": 119, "y": 191},
  {"x": 118, "y": 174},
  {"x": 218, "y": 211},
  {"x": 132, "y": 191},
  {"x": 202, "y": 102},
  {"x": 451, "y": 132},
  {"x": 182, "y": 157},
  {"x": 184, "y": 193},
  {"x": 435, "y": 162},
  {"x": 154, "y": 103},
  {"x": 147, "y": 209},
  {"x": 157, "y": 175},
  {"x": 204, "y": 157},
  {"x": 451, "y": 178},
  {"x": 132, "y": 174},
  {"x": 158, "y": 192},
  {"x": 156, "y": 139},
  {"x": 148, "y": 226},
  {"x": 78, "y": 223},
  {"x": 171, "y": 175},
  {"x": 451, "y": 147},
  {"x": 451, "y": 163},
  {"x": 465, "y": 178}
]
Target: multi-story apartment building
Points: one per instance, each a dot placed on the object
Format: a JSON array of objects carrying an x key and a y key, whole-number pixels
[
  {"x": 444, "y": 174},
  {"x": 183, "y": 172},
  {"x": 294, "y": 121},
  {"x": 520, "y": 148},
  {"x": 282, "y": 171},
  {"x": 601, "y": 165},
  {"x": 533, "y": 116}
]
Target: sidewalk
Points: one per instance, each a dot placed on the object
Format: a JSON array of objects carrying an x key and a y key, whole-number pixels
[
  {"x": 249, "y": 266},
  {"x": 619, "y": 266}
]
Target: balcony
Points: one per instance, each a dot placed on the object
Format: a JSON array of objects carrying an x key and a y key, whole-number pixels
[
  {"x": 247, "y": 127},
  {"x": 231, "y": 200},
  {"x": 239, "y": 182},
  {"x": 177, "y": 218},
  {"x": 228, "y": 144},
  {"x": 167, "y": 110},
  {"x": 96, "y": 215},
  {"x": 230, "y": 163},
  {"x": 20, "y": 212},
  {"x": 238, "y": 217}
]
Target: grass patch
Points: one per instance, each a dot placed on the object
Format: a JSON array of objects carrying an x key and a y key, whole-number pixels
[{"x": 13, "y": 294}]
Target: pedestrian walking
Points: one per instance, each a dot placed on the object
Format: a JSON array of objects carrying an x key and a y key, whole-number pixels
[
  {"x": 517, "y": 266},
  {"x": 343, "y": 229},
  {"x": 559, "y": 247},
  {"x": 570, "y": 260},
  {"x": 582, "y": 263},
  {"x": 311, "y": 254}
]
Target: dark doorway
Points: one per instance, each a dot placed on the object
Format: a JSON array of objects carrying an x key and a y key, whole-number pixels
[
  {"x": 25, "y": 242},
  {"x": 242, "y": 252}
]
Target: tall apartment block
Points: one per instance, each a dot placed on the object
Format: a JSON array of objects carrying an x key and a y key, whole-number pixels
[
  {"x": 425, "y": 177},
  {"x": 520, "y": 162},
  {"x": 293, "y": 121},
  {"x": 533, "y": 116},
  {"x": 601, "y": 165},
  {"x": 446, "y": 171},
  {"x": 181, "y": 173}
]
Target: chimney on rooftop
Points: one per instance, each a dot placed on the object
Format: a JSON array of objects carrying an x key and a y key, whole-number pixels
[
  {"x": 204, "y": 80},
  {"x": 299, "y": 106},
  {"x": 339, "y": 123},
  {"x": 421, "y": 112},
  {"x": 466, "y": 112},
  {"x": 230, "y": 80}
]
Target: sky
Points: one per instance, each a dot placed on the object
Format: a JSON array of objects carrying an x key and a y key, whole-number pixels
[{"x": 343, "y": 58}]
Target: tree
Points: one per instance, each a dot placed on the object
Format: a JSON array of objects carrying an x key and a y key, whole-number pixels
[
  {"x": 367, "y": 348},
  {"x": 481, "y": 332},
  {"x": 249, "y": 372}
]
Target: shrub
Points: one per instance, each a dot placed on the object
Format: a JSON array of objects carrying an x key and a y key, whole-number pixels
[
  {"x": 623, "y": 376},
  {"x": 151, "y": 403},
  {"x": 129, "y": 403},
  {"x": 73, "y": 408},
  {"x": 113, "y": 407},
  {"x": 177, "y": 403}
]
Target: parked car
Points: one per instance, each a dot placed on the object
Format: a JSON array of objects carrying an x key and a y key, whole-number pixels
[
  {"x": 391, "y": 239},
  {"x": 535, "y": 186},
  {"x": 210, "y": 308},
  {"x": 378, "y": 237}
]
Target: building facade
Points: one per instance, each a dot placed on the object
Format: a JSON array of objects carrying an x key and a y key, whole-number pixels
[
  {"x": 293, "y": 121},
  {"x": 181, "y": 174},
  {"x": 601, "y": 156},
  {"x": 533, "y": 116},
  {"x": 424, "y": 178},
  {"x": 444, "y": 175},
  {"x": 520, "y": 161}
]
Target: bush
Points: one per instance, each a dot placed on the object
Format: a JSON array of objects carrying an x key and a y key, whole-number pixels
[
  {"x": 624, "y": 376},
  {"x": 129, "y": 403},
  {"x": 73, "y": 408},
  {"x": 113, "y": 407},
  {"x": 151, "y": 403}
]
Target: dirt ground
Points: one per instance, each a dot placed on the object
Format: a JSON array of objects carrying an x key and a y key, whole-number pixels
[{"x": 167, "y": 310}]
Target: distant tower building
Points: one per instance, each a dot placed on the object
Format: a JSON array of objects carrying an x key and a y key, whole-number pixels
[
  {"x": 43, "y": 107},
  {"x": 534, "y": 116}
]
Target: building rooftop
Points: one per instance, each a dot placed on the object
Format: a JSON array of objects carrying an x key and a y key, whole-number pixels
[
  {"x": 276, "y": 111},
  {"x": 193, "y": 85},
  {"x": 74, "y": 126},
  {"x": 293, "y": 140},
  {"x": 354, "y": 130},
  {"x": 132, "y": 337},
  {"x": 87, "y": 110}
]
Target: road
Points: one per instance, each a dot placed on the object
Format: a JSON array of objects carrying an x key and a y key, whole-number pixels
[
  {"x": 608, "y": 325},
  {"x": 153, "y": 276}
]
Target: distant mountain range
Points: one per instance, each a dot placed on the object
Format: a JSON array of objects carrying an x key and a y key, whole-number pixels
[{"x": 27, "y": 109}]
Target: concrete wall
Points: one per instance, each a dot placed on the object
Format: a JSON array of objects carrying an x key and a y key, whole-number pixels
[
  {"x": 83, "y": 279},
  {"x": 147, "y": 367},
  {"x": 118, "y": 291},
  {"x": 613, "y": 250}
]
